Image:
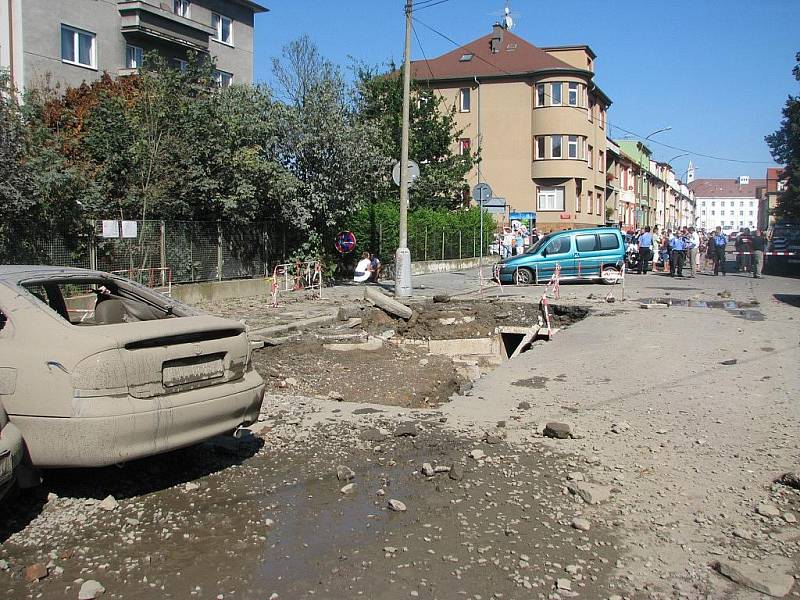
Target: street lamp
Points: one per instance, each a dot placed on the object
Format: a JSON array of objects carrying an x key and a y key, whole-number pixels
[
  {"x": 667, "y": 128},
  {"x": 669, "y": 162}
]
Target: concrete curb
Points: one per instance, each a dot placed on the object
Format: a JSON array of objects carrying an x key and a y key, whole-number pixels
[{"x": 274, "y": 330}]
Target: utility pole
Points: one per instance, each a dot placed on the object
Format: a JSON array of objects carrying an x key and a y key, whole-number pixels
[{"x": 402, "y": 259}]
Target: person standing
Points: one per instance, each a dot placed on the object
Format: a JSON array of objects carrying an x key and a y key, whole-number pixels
[
  {"x": 655, "y": 247},
  {"x": 694, "y": 248},
  {"x": 678, "y": 254},
  {"x": 759, "y": 245},
  {"x": 718, "y": 241},
  {"x": 645, "y": 250}
]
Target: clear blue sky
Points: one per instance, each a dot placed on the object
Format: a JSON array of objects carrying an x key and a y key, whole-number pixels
[{"x": 717, "y": 71}]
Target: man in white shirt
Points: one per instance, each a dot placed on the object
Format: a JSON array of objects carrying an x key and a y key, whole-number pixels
[
  {"x": 363, "y": 269},
  {"x": 694, "y": 245}
]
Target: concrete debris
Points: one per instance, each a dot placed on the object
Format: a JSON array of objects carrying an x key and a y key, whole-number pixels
[
  {"x": 441, "y": 298},
  {"x": 581, "y": 524},
  {"x": 344, "y": 473},
  {"x": 591, "y": 493},
  {"x": 35, "y": 572},
  {"x": 387, "y": 304},
  {"x": 477, "y": 454},
  {"x": 561, "y": 431},
  {"x": 348, "y": 489},
  {"x": 768, "y": 580},
  {"x": 524, "y": 405},
  {"x": 563, "y": 584},
  {"x": 108, "y": 503},
  {"x": 767, "y": 510},
  {"x": 90, "y": 590},
  {"x": 397, "y": 505},
  {"x": 620, "y": 427},
  {"x": 406, "y": 430},
  {"x": 731, "y": 361},
  {"x": 371, "y": 434},
  {"x": 653, "y": 305},
  {"x": 428, "y": 470},
  {"x": 336, "y": 396},
  {"x": 456, "y": 472},
  {"x": 191, "y": 486},
  {"x": 790, "y": 479}
]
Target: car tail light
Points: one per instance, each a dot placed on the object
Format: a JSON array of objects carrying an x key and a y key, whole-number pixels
[{"x": 100, "y": 374}]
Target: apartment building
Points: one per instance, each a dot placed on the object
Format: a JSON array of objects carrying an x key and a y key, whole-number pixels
[
  {"x": 539, "y": 120},
  {"x": 67, "y": 42},
  {"x": 776, "y": 183},
  {"x": 728, "y": 203}
]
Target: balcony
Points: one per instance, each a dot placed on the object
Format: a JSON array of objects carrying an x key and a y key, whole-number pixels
[{"x": 140, "y": 17}]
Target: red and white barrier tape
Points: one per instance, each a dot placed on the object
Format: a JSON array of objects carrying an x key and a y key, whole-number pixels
[
  {"x": 554, "y": 282},
  {"x": 772, "y": 253},
  {"x": 544, "y": 305}
]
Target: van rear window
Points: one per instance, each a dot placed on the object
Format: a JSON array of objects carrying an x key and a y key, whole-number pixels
[{"x": 609, "y": 241}]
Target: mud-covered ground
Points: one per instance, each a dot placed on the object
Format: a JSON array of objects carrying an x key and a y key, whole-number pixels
[
  {"x": 388, "y": 371},
  {"x": 270, "y": 519}
]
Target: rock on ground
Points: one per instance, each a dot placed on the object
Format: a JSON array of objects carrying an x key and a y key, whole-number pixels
[
  {"x": 90, "y": 590},
  {"x": 771, "y": 581}
]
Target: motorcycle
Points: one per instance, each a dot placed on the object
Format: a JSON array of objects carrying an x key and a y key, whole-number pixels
[{"x": 632, "y": 258}]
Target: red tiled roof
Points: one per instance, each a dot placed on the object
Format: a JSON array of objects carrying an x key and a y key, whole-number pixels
[
  {"x": 516, "y": 56},
  {"x": 725, "y": 188}
]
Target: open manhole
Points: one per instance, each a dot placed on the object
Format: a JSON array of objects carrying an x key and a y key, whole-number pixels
[{"x": 377, "y": 359}]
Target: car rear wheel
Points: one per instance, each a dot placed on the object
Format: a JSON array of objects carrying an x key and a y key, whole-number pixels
[
  {"x": 610, "y": 275},
  {"x": 523, "y": 276}
]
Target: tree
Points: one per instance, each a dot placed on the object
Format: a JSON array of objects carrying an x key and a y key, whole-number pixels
[
  {"x": 433, "y": 135},
  {"x": 784, "y": 146},
  {"x": 333, "y": 155}
]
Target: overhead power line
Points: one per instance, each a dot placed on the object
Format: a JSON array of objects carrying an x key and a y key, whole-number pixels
[
  {"x": 422, "y": 4},
  {"x": 609, "y": 123}
]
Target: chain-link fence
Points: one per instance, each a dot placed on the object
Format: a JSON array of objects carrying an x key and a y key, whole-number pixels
[{"x": 187, "y": 250}]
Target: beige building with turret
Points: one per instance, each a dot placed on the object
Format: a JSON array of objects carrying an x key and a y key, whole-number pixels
[{"x": 539, "y": 121}]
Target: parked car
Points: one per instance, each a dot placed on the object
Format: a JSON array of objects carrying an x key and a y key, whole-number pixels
[
  {"x": 10, "y": 446},
  {"x": 595, "y": 253},
  {"x": 101, "y": 370}
]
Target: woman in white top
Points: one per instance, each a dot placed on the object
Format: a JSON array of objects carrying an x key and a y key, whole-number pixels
[{"x": 363, "y": 269}]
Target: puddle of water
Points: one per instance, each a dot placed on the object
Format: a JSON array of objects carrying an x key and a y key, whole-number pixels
[{"x": 742, "y": 310}]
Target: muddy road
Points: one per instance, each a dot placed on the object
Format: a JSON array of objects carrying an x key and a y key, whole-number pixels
[{"x": 272, "y": 518}]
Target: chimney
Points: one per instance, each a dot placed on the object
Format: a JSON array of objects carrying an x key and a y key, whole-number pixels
[{"x": 497, "y": 38}]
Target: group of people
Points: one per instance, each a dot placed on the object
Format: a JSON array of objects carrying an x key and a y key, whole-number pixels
[
  {"x": 514, "y": 240},
  {"x": 685, "y": 246},
  {"x": 367, "y": 269}
]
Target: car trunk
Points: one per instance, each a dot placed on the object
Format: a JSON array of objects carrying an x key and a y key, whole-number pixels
[{"x": 176, "y": 355}]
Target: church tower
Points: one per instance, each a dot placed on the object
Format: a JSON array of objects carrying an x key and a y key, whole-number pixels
[{"x": 690, "y": 173}]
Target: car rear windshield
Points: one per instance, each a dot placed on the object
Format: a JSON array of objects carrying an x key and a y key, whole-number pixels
[{"x": 97, "y": 301}]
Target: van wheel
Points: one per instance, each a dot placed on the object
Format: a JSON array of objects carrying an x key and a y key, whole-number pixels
[
  {"x": 610, "y": 275},
  {"x": 523, "y": 276}
]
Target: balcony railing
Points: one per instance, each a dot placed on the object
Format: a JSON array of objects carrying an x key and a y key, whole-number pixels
[{"x": 140, "y": 17}]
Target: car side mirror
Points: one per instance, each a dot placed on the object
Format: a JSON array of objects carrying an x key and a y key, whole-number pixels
[{"x": 544, "y": 253}]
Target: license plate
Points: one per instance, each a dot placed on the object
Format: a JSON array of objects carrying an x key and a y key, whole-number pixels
[{"x": 191, "y": 370}]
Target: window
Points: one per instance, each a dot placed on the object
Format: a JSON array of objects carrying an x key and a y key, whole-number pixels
[
  {"x": 224, "y": 28},
  {"x": 555, "y": 93},
  {"x": 608, "y": 241},
  {"x": 602, "y": 118},
  {"x": 133, "y": 57},
  {"x": 181, "y": 8},
  {"x": 585, "y": 243},
  {"x": 712, "y": 203},
  {"x": 78, "y": 47},
  {"x": 751, "y": 213},
  {"x": 572, "y": 146},
  {"x": 590, "y": 110},
  {"x": 223, "y": 79},
  {"x": 560, "y": 245},
  {"x": 741, "y": 203},
  {"x": 601, "y": 161},
  {"x": 713, "y": 213},
  {"x": 572, "y": 94},
  {"x": 599, "y": 210},
  {"x": 722, "y": 204},
  {"x": 703, "y": 204},
  {"x": 463, "y": 146},
  {"x": 578, "y": 199},
  {"x": 181, "y": 65},
  {"x": 540, "y": 151},
  {"x": 741, "y": 213},
  {"x": 730, "y": 212},
  {"x": 556, "y": 146},
  {"x": 751, "y": 204},
  {"x": 539, "y": 94},
  {"x": 590, "y": 157},
  {"x": 465, "y": 57},
  {"x": 551, "y": 198},
  {"x": 463, "y": 100}
]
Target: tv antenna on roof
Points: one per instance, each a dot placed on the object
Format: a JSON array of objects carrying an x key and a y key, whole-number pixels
[{"x": 506, "y": 17}]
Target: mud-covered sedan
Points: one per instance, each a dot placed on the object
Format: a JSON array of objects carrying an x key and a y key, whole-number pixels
[{"x": 98, "y": 370}]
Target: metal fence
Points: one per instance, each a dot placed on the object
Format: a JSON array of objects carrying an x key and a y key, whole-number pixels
[
  {"x": 189, "y": 251},
  {"x": 192, "y": 251},
  {"x": 430, "y": 243}
]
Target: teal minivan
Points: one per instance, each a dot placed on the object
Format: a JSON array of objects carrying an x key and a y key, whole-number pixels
[{"x": 596, "y": 253}]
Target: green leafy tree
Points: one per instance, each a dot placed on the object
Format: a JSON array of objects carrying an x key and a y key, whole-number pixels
[
  {"x": 432, "y": 137},
  {"x": 784, "y": 145}
]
